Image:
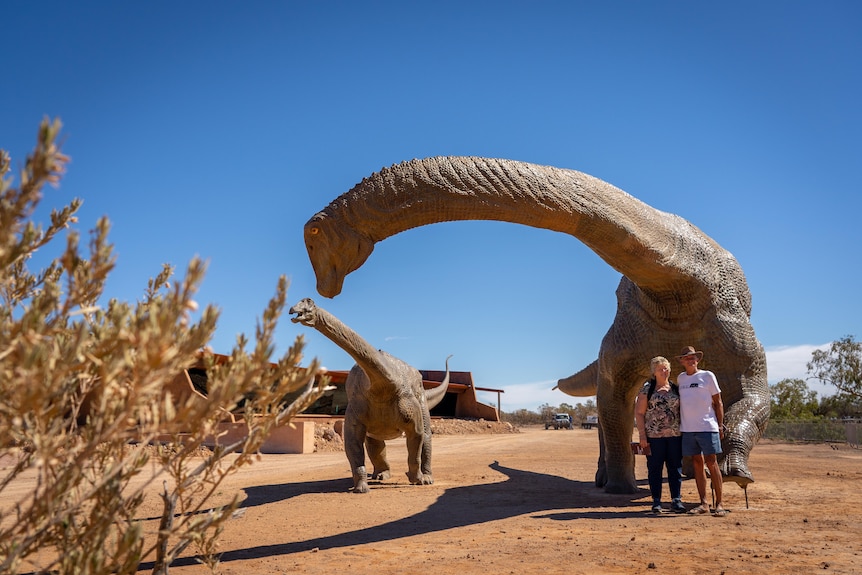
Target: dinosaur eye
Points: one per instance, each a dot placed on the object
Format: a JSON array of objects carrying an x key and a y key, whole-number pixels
[{"x": 314, "y": 231}]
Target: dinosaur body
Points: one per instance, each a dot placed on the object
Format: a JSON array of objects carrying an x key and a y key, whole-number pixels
[
  {"x": 679, "y": 287},
  {"x": 385, "y": 399}
]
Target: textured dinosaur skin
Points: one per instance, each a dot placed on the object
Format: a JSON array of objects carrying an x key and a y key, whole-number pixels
[
  {"x": 385, "y": 398},
  {"x": 679, "y": 287}
]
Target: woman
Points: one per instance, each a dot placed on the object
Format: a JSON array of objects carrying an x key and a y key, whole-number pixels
[{"x": 657, "y": 417}]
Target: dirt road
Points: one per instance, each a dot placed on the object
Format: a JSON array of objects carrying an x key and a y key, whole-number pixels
[{"x": 525, "y": 503}]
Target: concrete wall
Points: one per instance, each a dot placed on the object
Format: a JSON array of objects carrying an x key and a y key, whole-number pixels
[{"x": 293, "y": 437}]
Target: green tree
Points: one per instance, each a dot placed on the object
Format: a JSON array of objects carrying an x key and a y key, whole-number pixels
[
  {"x": 791, "y": 399},
  {"x": 582, "y": 410},
  {"x": 840, "y": 366},
  {"x": 839, "y": 406},
  {"x": 522, "y": 417},
  {"x": 86, "y": 426},
  {"x": 547, "y": 411},
  {"x": 565, "y": 408}
]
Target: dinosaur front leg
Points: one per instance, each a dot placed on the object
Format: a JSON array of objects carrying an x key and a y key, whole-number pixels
[
  {"x": 744, "y": 420},
  {"x": 617, "y": 421},
  {"x": 428, "y": 479},
  {"x": 601, "y": 467},
  {"x": 425, "y": 456},
  {"x": 377, "y": 455},
  {"x": 415, "y": 473},
  {"x": 354, "y": 448}
]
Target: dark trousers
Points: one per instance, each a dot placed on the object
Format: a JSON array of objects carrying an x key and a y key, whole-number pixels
[{"x": 664, "y": 452}]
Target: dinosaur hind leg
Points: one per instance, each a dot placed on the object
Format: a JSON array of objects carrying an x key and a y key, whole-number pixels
[{"x": 415, "y": 473}]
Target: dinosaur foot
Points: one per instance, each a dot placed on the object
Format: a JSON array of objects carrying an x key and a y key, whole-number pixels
[
  {"x": 421, "y": 479},
  {"x": 361, "y": 487},
  {"x": 601, "y": 477},
  {"x": 735, "y": 469},
  {"x": 619, "y": 484},
  {"x": 381, "y": 475},
  {"x": 360, "y": 480},
  {"x": 620, "y": 487},
  {"x": 741, "y": 477}
]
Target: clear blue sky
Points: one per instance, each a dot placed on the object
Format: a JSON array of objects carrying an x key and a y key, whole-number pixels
[{"x": 218, "y": 128}]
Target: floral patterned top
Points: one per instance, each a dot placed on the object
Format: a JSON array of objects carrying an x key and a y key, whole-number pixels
[{"x": 662, "y": 414}]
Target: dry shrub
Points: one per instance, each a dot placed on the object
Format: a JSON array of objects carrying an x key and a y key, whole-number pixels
[{"x": 82, "y": 382}]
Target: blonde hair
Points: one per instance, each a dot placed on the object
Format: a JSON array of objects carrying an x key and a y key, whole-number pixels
[{"x": 656, "y": 361}]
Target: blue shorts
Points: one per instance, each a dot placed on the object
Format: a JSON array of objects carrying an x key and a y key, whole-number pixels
[{"x": 700, "y": 442}]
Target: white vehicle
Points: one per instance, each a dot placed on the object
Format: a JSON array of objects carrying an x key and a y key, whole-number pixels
[
  {"x": 560, "y": 421},
  {"x": 590, "y": 422}
]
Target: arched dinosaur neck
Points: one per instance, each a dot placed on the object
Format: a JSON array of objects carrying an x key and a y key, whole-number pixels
[
  {"x": 637, "y": 240},
  {"x": 363, "y": 353}
]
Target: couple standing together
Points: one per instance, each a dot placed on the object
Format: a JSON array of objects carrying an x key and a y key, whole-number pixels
[{"x": 686, "y": 419}]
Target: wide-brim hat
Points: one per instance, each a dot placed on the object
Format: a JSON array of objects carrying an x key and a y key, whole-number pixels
[{"x": 689, "y": 350}]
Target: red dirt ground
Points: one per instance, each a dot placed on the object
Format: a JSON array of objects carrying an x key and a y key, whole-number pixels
[{"x": 525, "y": 503}]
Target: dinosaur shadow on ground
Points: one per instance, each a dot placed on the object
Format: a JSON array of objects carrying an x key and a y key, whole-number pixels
[{"x": 524, "y": 492}]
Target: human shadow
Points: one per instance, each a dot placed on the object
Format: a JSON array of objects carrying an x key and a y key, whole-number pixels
[{"x": 523, "y": 492}]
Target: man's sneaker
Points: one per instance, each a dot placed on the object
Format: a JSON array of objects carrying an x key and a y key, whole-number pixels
[
  {"x": 656, "y": 508},
  {"x": 677, "y": 507}
]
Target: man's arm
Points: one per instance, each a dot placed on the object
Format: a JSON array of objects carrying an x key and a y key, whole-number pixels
[{"x": 718, "y": 406}]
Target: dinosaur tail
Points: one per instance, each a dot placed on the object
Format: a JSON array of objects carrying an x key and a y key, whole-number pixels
[
  {"x": 434, "y": 396},
  {"x": 582, "y": 384}
]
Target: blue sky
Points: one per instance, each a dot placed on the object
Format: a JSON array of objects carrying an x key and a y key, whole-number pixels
[{"x": 218, "y": 128}]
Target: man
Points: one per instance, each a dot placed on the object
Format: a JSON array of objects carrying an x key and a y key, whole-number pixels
[{"x": 702, "y": 426}]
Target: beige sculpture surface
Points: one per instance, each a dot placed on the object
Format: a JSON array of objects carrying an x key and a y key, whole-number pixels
[
  {"x": 385, "y": 400},
  {"x": 679, "y": 287}
]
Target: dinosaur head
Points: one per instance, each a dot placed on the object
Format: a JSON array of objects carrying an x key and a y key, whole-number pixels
[
  {"x": 305, "y": 312},
  {"x": 335, "y": 250}
]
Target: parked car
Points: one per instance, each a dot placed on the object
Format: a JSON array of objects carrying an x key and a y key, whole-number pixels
[{"x": 560, "y": 421}]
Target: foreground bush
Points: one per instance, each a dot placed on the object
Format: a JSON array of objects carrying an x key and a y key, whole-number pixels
[{"x": 82, "y": 382}]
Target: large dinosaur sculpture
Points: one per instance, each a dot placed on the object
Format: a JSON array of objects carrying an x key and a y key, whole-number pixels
[
  {"x": 385, "y": 398},
  {"x": 679, "y": 287}
]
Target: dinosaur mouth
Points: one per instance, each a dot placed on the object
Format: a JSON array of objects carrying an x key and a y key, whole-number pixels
[
  {"x": 299, "y": 315},
  {"x": 330, "y": 285}
]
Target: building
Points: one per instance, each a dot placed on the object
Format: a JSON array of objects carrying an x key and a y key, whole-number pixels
[
  {"x": 460, "y": 400},
  {"x": 298, "y": 435}
]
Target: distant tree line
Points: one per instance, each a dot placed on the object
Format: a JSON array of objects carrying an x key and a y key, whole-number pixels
[{"x": 579, "y": 413}]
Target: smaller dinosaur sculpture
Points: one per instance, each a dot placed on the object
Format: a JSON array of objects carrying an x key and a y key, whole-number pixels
[{"x": 385, "y": 399}]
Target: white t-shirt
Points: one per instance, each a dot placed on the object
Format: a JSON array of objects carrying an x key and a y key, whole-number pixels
[{"x": 695, "y": 401}]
